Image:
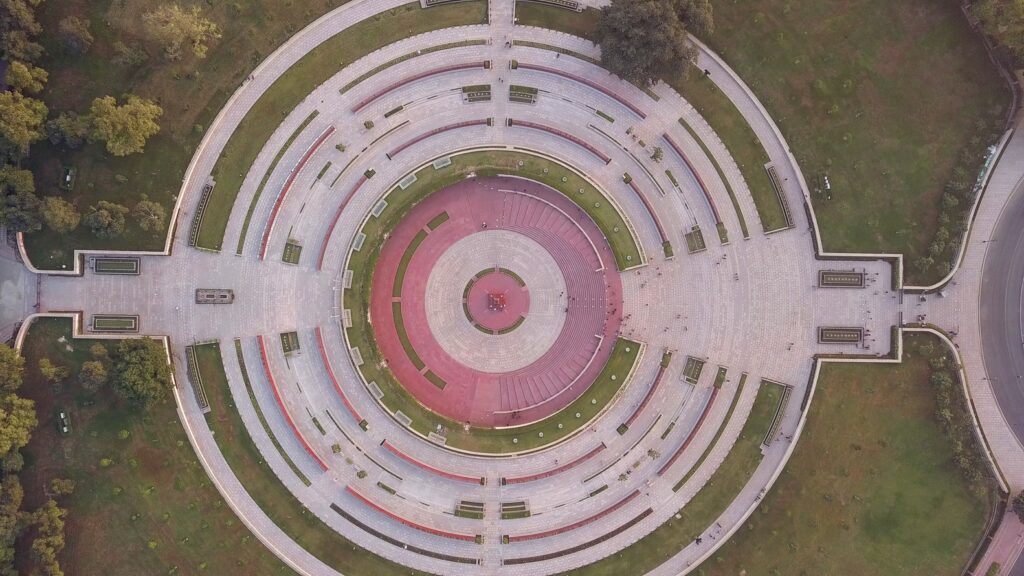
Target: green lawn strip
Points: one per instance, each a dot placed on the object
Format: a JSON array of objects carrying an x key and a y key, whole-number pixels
[
  {"x": 437, "y": 221},
  {"x": 706, "y": 506},
  {"x": 403, "y": 264},
  {"x": 718, "y": 434},
  {"x": 259, "y": 189},
  {"x": 871, "y": 487},
  {"x": 405, "y": 57},
  {"x": 155, "y": 490},
  {"x": 881, "y": 96},
  {"x": 269, "y": 493},
  {"x": 300, "y": 79},
  {"x": 115, "y": 323},
  {"x": 435, "y": 379},
  {"x": 292, "y": 252},
  {"x": 721, "y": 176},
  {"x": 720, "y": 376},
  {"x": 666, "y": 359},
  {"x": 403, "y": 337},
  {"x": 222, "y": 392},
  {"x": 582, "y": 24}
]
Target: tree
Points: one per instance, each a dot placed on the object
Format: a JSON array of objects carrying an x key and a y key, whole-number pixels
[
  {"x": 69, "y": 128},
  {"x": 74, "y": 33},
  {"x": 26, "y": 77},
  {"x": 11, "y": 495},
  {"x": 49, "y": 537},
  {"x": 21, "y": 119},
  {"x": 12, "y": 367},
  {"x": 643, "y": 40},
  {"x": 59, "y": 215},
  {"x": 141, "y": 372},
  {"x": 17, "y": 27},
  {"x": 697, "y": 15},
  {"x": 124, "y": 128},
  {"x": 99, "y": 352},
  {"x": 1018, "y": 505},
  {"x": 52, "y": 372},
  {"x": 19, "y": 211},
  {"x": 149, "y": 214},
  {"x": 658, "y": 154},
  {"x": 1004, "y": 21},
  {"x": 174, "y": 27},
  {"x": 106, "y": 219},
  {"x": 17, "y": 421},
  {"x": 128, "y": 56},
  {"x": 93, "y": 375},
  {"x": 62, "y": 486}
]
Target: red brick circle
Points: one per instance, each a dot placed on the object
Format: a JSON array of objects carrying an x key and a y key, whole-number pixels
[{"x": 441, "y": 382}]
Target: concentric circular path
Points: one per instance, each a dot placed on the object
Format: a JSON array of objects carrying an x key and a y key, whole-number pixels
[{"x": 495, "y": 379}]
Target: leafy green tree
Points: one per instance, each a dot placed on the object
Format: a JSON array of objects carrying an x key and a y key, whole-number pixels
[
  {"x": 69, "y": 128},
  {"x": 62, "y": 486},
  {"x": 49, "y": 538},
  {"x": 99, "y": 353},
  {"x": 128, "y": 56},
  {"x": 93, "y": 375},
  {"x": 1004, "y": 21},
  {"x": 12, "y": 368},
  {"x": 53, "y": 372},
  {"x": 17, "y": 27},
  {"x": 643, "y": 40},
  {"x": 174, "y": 27},
  {"x": 17, "y": 422},
  {"x": 74, "y": 33},
  {"x": 106, "y": 219},
  {"x": 150, "y": 215},
  {"x": 26, "y": 77},
  {"x": 697, "y": 15},
  {"x": 21, "y": 119},
  {"x": 20, "y": 212},
  {"x": 59, "y": 215},
  {"x": 124, "y": 128},
  {"x": 11, "y": 495},
  {"x": 141, "y": 373}
]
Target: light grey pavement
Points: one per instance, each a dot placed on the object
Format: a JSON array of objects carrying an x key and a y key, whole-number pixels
[
  {"x": 17, "y": 289},
  {"x": 750, "y": 305}
]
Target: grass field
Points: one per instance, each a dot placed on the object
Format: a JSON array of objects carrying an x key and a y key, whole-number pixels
[
  {"x": 707, "y": 505},
  {"x": 882, "y": 96},
  {"x": 155, "y": 491},
  {"x": 270, "y": 494},
  {"x": 295, "y": 84},
  {"x": 870, "y": 488}
]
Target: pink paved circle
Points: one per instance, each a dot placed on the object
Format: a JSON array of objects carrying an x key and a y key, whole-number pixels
[
  {"x": 496, "y": 301},
  {"x": 593, "y": 297}
]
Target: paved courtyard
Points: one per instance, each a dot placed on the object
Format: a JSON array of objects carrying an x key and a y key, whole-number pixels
[{"x": 749, "y": 308}]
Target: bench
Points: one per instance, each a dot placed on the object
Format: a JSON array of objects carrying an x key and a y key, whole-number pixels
[
  {"x": 773, "y": 175},
  {"x": 196, "y": 379}
]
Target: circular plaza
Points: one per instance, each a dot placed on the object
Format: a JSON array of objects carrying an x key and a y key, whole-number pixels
[{"x": 496, "y": 311}]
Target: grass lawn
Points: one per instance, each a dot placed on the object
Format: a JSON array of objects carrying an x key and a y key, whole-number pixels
[
  {"x": 870, "y": 488},
  {"x": 295, "y": 84},
  {"x": 191, "y": 93},
  {"x": 156, "y": 490},
  {"x": 702, "y": 510},
  {"x": 882, "y": 96},
  {"x": 266, "y": 489}
]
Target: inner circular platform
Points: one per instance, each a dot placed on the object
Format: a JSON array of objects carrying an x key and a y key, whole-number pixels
[
  {"x": 497, "y": 301},
  {"x": 457, "y": 301},
  {"x": 491, "y": 304}
]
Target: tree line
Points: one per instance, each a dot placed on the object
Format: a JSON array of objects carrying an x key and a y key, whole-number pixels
[
  {"x": 122, "y": 124},
  {"x": 138, "y": 373}
]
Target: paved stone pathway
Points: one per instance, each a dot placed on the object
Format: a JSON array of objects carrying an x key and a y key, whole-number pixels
[{"x": 751, "y": 305}]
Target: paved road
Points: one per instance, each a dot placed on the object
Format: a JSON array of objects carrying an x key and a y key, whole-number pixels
[{"x": 1002, "y": 315}]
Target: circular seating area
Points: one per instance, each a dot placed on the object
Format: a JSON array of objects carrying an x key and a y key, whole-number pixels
[{"x": 524, "y": 363}]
